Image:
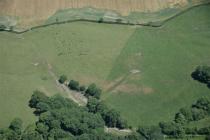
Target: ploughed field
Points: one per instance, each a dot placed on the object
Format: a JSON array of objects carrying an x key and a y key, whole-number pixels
[{"x": 144, "y": 72}]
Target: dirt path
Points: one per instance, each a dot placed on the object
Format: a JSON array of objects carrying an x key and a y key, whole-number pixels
[
  {"x": 118, "y": 82},
  {"x": 77, "y": 97},
  {"x": 118, "y": 131}
]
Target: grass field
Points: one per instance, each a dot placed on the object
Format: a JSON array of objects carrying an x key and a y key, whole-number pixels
[
  {"x": 83, "y": 51},
  {"x": 144, "y": 72},
  {"x": 165, "y": 57}
]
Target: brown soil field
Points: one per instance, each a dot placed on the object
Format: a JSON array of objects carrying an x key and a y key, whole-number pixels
[{"x": 36, "y": 11}]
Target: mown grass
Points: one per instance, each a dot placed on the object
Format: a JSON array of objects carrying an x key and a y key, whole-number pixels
[
  {"x": 165, "y": 57},
  {"x": 82, "y": 51}
]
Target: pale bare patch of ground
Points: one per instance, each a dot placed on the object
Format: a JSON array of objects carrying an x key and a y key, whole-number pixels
[{"x": 37, "y": 11}]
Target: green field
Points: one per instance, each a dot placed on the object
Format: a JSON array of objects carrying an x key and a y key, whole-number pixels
[{"x": 144, "y": 72}]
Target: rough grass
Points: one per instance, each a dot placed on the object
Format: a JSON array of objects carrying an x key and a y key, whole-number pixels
[{"x": 82, "y": 51}]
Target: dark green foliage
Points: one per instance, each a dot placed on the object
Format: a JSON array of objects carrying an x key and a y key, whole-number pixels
[
  {"x": 92, "y": 104},
  {"x": 111, "y": 117},
  {"x": 31, "y": 134},
  {"x": 94, "y": 91},
  {"x": 37, "y": 97},
  {"x": 13, "y": 132},
  {"x": 82, "y": 88},
  {"x": 59, "y": 134},
  {"x": 134, "y": 136},
  {"x": 16, "y": 125},
  {"x": 172, "y": 129},
  {"x": 208, "y": 137},
  {"x": 41, "y": 107},
  {"x": 198, "y": 114},
  {"x": 202, "y": 74},
  {"x": 202, "y": 103},
  {"x": 177, "y": 128},
  {"x": 62, "y": 79},
  {"x": 180, "y": 118},
  {"x": 121, "y": 123},
  {"x": 151, "y": 133},
  {"x": 74, "y": 85},
  {"x": 61, "y": 118},
  {"x": 187, "y": 112},
  {"x": 204, "y": 131},
  {"x": 191, "y": 131}
]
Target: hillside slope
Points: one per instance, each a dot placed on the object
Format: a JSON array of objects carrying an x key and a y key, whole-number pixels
[{"x": 36, "y": 11}]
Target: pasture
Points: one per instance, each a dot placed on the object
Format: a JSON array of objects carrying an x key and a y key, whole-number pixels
[{"x": 144, "y": 72}]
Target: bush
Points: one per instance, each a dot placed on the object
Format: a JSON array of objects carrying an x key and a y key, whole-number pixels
[
  {"x": 93, "y": 91},
  {"x": 198, "y": 114},
  {"x": 62, "y": 79},
  {"x": 187, "y": 112},
  {"x": 82, "y": 88},
  {"x": 74, "y": 85},
  {"x": 37, "y": 97},
  {"x": 172, "y": 129},
  {"x": 202, "y": 74},
  {"x": 208, "y": 137},
  {"x": 202, "y": 103},
  {"x": 204, "y": 131},
  {"x": 151, "y": 133},
  {"x": 180, "y": 118},
  {"x": 191, "y": 131}
]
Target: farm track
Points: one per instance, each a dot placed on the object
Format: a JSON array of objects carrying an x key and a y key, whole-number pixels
[{"x": 77, "y": 97}]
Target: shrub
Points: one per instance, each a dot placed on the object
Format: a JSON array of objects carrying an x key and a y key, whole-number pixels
[
  {"x": 172, "y": 129},
  {"x": 74, "y": 85},
  {"x": 202, "y": 74},
  {"x": 62, "y": 79},
  {"x": 93, "y": 91},
  {"x": 151, "y": 133},
  {"x": 82, "y": 88}
]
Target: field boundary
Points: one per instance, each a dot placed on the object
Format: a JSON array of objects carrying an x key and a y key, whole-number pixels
[{"x": 149, "y": 24}]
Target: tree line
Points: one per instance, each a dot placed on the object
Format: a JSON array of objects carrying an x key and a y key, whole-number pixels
[
  {"x": 202, "y": 74},
  {"x": 60, "y": 118}
]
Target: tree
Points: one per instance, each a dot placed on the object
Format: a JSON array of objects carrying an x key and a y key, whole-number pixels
[
  {"x": 62, "y": 79},
  {"x": 74, "y": 85},
  {"x": 204, "y": 131},
  {"x": 37, "y": 97},
  {"x": 202, "y": 74},
  {"x": 198, "y": 114},
  {"x": 121, "y": 123},
  {"x": 172, "y": 129},
  {"x": 202, "y": 103},
  {"x": 30, "y": 134},
  {"x": 94, "y": 91},
  {"x": 42, "y": 129},
  {"x": 41, "y": 107},
  {"x": 111, "y": 118},
  {"x": 180, "y": 118},
  {"x": 208, "y": 137},
  {"x": 16, "y": 125},
  {"x": 151, "y": 133},
  {"x": 187, "y": 112},
  {"x": 82, "y": 88},
  {"x": 92, "y": 104}
]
